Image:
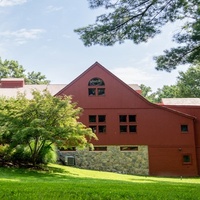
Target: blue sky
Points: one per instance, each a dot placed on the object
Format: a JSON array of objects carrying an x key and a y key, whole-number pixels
[{"x": 39, "y": 34}]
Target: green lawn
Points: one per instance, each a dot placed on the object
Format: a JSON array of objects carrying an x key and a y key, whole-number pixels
[{"x": 62, "y": 182}]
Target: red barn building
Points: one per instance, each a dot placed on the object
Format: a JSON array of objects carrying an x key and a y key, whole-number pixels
[{"x": 134, "y": 135}]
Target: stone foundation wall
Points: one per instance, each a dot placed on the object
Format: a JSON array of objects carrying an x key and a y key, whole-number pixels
[{"x": 113, "y": 160}]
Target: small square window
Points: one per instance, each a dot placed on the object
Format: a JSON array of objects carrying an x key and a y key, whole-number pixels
[
  {"x": 101, "y": 91},
  {"x": 132, "y": 118},
  {"x": 133, "y": 129},
  {"x": 92, "y": 118},
  {"x": 102, "y": 118},
  {"x": 91, "y": 91},
  {"x": 187, "y": 159},
  {"x": 122, "y": 118},
  {"x": 123, "y": 129},
  {"x": 94, "y": 129},
  {"x": 184, "y": 128},
  {"x": 102, "y": 129}
]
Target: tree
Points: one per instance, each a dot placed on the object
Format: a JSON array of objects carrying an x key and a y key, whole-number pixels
[
  {"x": 187, "y": 86},
  {"x": 40, "y": 122},
  {"x": 141, "y": 20},
  {"x": 147, "y": 93},
  {"x": 189, "y": 82},
  {"x": 12, "y": 69},
  {"x": 36, "y": 78},
  {"x": 171, "y": 91}
]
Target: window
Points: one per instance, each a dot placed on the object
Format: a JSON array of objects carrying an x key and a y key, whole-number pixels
[
  {"x": 92, "y": 118},
  {"x": 92, "y": 92},
  {"x": 96, "y": 82},
  {"x": 132, "y": 128},
  {"x": 101, "y": 91},
  {"x": 122, "y": 118},
  {"x": 101, "y": 118},
  {"x": 187, "y": 159},
  {"x": 102, "y": 129},
  {"x": 123, "y": 129},
  {"x": 132, "y": 118},
  {"x": 97, "y": 126},
  {"x": 67, "y": 149},
  {"x": 96, "y": 87},
  {"x": 127, "y": 124},
  {"x": 184, "y": 128},
  {"x": 99, "y": 149},
  {"x": 94, "y": 129},
  {"x": 129, "y": 148}
]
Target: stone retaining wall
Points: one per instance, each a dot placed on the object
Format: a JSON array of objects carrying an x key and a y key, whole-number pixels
[{"x": 113, "y": 160}]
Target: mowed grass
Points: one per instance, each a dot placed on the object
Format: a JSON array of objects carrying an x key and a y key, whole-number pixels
[{"x": 62, "y": 182}]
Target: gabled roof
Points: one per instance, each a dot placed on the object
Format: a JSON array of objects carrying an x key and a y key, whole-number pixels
[
  {"x": 131, "y": 87},
  {"x": 134, "y": 87},
  {"x": 181, "y": 101}
]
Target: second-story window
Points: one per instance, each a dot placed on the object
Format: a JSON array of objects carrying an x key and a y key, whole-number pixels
[
  {"x": 96, "y": 87},
  {"x": 184, "y": 128},
  {"x": 97, "y": 123},
  {"x": 127, "y": 124}
]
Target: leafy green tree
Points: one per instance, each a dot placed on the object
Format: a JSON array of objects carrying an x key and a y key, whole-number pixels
[
  {"x": 145, "y": 90},
  {"x": 36, "y": 78},
  {"x": 166, "y": 91},
  {"x": 187, "y": 86},
  {"x": 141, "y": 20},
  {"x": 40, "y": 122},
  {"x": 189, "y": 82},
  {"x": 147, "y": 93},
  {"x": 12, "y": 69},
  {"x": 187, "y": 52}
]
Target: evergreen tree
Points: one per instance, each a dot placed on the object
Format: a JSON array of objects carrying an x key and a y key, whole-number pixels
[{"x": 141, "y": 20}]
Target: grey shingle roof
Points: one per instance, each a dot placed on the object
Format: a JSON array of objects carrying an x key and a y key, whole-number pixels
[{"x": 181, "y": 101}]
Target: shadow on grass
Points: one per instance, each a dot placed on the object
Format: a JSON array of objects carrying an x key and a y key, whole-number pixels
[
  {"x": 50, "y": 174},
  {"x": 24, "y": 174},
  {"x": 61, "y": 174}
]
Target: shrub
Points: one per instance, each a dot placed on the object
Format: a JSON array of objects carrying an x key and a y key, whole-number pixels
[
  {"x": 47, "y": 155},
  {"x": 21, "y": 154},
  {"x": 4, "y": 153}
]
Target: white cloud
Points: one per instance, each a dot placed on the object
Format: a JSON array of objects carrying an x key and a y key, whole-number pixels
[
  {"x": 140, "y": 72},
  {"x": 21, "y": 36},
  {"x": 4, "y": 3},
  {"x": 132, "y": 75},
  {"x": 53, "y": 9}
]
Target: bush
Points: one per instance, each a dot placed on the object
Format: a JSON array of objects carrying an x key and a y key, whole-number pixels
[
  {"x": 3, "y": 150},
  {"x": 47, "y": 155},
  {"x": 21, "y": 154},
  {"x": 4, "y": 153}
]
